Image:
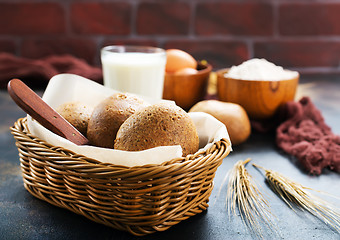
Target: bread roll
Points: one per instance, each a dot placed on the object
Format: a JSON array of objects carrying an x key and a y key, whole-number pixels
[
  {"x": 162, "y": 124},
  {"x": 108, "y": 115},
  {"x": 231, "y": 114},
  {"x": 76, "y": 113}
]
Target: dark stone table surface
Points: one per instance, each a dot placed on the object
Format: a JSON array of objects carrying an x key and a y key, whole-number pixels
[{"x": 23, "y": 216}]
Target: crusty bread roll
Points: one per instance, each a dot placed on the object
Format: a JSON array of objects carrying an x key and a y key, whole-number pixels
[
  {"x": 76, "y": 113},
  {"x": 108, "y": 115},
  {"x": 162, "y": 124},
  {"x": 230, "y": 114}
]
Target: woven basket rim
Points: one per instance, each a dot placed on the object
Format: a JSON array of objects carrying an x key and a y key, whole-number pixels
[{"x": 20, "y": 126}]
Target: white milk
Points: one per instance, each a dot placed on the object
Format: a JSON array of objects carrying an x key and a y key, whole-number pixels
[{"x": 135, "y": 72}]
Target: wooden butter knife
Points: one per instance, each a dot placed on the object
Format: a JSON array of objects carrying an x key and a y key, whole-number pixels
[{"x": 32, "y": 104}]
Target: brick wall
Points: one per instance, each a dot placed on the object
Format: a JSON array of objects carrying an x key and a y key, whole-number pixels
[{"x": 301, "y": 34}]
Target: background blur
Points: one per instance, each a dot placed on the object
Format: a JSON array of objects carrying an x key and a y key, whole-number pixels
[{"x": 303, "y": 35}]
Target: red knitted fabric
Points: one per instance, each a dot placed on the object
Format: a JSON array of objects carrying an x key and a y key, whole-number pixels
[
  {"x": 306, "y": 136},
  {"x": 39, "y": 71}
]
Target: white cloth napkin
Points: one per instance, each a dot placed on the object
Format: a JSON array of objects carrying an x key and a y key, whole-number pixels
[{"x": 69, "y": 87}]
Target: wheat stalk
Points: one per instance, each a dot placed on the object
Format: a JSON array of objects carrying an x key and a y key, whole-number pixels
[
  {"x": 243, "y": 193},
  {"x": 296, "y": 195}
]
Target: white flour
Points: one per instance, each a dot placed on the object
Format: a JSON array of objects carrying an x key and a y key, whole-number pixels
[{"x": 260, "y": 69}]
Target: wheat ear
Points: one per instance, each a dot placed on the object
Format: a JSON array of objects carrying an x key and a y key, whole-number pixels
[
  {"x": 296, "y": 195},
  {"x": 243, "y": 193}
]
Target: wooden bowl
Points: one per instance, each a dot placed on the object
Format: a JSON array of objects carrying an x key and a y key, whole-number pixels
[
  {"x": 260, "y": 99},
  {"x": 187, "y": 90}
]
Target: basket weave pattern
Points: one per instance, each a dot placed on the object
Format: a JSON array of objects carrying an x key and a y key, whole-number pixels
[{"x": 140, "y": 200}]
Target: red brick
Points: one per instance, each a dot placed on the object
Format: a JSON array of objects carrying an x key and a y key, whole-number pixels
[
  {"x": 31, "y": 18},
  {"x": 166, "y": 18},
  {"x": 309, "y": 19},
  {"x": 101, "y": 18},
  {"x": 300, "y": 53},
  {"x": 135, "y": 42},
  {"x": 312, "y": 75},
  {"x": 78, "y": 47},
  {"x": 234, "y": 19},
  {"x": 220, "y": 54},
  {"x": 7, "y": 46}
]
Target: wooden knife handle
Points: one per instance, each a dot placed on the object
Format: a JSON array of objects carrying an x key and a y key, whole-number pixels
[{"x": 32, "y": 104}]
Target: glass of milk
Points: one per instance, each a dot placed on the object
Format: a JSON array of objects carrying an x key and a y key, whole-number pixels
[{"x": 134, "y": 69}]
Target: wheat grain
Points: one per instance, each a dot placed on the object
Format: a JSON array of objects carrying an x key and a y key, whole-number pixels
[
  {"x": 296, "y": 196},
  {"x": 244, "y": 194}
]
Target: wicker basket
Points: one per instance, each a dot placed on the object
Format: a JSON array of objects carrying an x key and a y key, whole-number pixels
[{"x": 140, "y": 200}]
